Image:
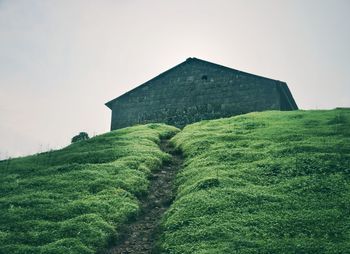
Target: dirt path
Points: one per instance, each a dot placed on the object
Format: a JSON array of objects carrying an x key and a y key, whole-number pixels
[{"x": 141, "y": 235}]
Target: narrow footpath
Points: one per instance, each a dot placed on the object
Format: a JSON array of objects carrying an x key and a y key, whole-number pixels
[{"x": 140, "y": 236}]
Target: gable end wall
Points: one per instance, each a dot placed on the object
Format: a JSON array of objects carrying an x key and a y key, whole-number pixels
[{"x": 195, "y": 91}]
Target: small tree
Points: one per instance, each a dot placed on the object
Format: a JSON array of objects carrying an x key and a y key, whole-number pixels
[{"x": 80, "y": 136}]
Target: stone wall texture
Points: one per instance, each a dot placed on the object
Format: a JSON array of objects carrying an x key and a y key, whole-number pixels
[{"x": 196, "y": 90}]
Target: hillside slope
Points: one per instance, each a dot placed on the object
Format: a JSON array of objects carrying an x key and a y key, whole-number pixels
[
  {"x": 271, "y": 182},
  {"x": 74, "y": 200}
]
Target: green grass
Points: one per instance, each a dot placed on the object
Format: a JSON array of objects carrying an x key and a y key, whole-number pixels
[
  {"x": 74, "y": 200},
  {"x": 271, "y": 182}
]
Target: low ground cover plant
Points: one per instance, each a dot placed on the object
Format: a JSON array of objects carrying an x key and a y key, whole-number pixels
[
  {"x": 270, "y": 182},
  {"x": 74, "y": 200}
]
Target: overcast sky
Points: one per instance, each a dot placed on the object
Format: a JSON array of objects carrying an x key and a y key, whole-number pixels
[{"x": 60, "y": 61}]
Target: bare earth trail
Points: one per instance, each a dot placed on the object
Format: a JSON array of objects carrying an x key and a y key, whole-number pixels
[{"x": 140, "y": 236}]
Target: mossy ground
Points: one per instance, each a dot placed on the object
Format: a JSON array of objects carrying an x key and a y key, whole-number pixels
[
  {"x": 271, "y": 182},
  {"x": 74, "y": 200}
]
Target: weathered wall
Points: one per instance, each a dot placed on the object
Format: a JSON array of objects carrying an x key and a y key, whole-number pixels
[{"x": 196, "y": 90}]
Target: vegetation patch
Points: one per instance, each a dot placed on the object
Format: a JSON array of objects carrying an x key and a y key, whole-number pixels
[
  {"x": 271, "y": 182},
  {"x": 74, "y": 200}
]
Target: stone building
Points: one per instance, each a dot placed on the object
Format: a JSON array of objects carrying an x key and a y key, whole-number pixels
[{"x": 196, "y": 90}]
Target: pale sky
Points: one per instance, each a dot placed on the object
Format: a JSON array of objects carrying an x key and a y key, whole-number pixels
[{"x": 60, "y": 61}]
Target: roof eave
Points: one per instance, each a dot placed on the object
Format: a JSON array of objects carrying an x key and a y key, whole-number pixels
[{"x": 109, "y": 104}]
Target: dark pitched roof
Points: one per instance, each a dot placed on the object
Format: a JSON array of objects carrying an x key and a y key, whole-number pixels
[{"x": 192, "y": 59}]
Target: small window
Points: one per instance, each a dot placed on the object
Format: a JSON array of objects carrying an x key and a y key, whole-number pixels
[{"x": 204, "y": 77}]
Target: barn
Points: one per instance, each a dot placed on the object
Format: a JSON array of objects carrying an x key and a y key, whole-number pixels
[{"x": 195, "y": 90}]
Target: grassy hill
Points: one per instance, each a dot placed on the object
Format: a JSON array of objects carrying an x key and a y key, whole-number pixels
[
  {"x": 75, "y": 199},
  {"x": 272, "y": 182}
]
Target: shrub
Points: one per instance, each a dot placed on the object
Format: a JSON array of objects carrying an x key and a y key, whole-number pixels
[{"x": 81, "y": 136}]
